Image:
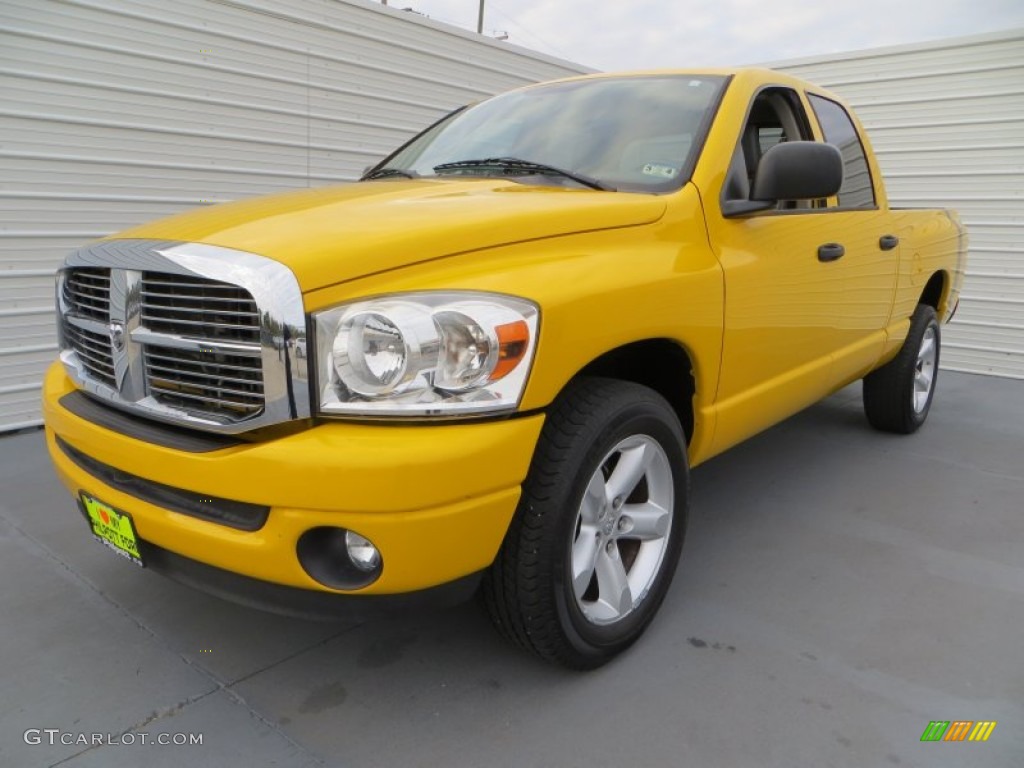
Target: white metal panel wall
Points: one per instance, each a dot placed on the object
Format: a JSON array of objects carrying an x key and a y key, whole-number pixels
[
  {"x": 113, "y": 113},
  {"x": 947, "y": 122}
]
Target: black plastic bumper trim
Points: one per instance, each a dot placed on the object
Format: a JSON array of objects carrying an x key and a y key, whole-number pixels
[
  {"x": 163, "y": 435},
  {"x": 234, "y": 514},
  {"x": 298, "y": 602}
]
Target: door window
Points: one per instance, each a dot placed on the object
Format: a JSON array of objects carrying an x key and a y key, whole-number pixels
[{"x": 775, "y": 116}]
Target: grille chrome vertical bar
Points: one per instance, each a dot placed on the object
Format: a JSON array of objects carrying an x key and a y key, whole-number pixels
[
  {"x": 124, "y": 318},
  {"x": 135, "y": 382}
]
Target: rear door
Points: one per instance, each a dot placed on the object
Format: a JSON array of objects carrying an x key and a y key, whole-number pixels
[{"x": 870, "y": 262}]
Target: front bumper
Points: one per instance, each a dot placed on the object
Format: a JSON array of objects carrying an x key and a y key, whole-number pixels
[{"x": 436, "y": 500}]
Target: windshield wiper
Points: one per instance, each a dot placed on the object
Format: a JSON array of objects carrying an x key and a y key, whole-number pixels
[
  {"x": 513, "y": 165},
  {"x": 385, "y": 173}
]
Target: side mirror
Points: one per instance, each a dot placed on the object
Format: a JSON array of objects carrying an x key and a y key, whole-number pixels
[{"x": 798, "y": 170}]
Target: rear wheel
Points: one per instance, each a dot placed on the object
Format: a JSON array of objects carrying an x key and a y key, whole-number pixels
[
  {"x": 898, "y": 396},
  {"x": 594, "y": 543}
]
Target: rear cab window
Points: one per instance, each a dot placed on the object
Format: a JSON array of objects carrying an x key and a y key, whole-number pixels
[{"x": 857, "y": 190}]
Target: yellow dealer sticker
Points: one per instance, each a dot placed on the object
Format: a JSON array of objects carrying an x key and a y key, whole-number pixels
[{"x": 113, "y": 528}]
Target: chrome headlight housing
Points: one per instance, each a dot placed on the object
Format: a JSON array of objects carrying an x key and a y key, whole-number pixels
[{"x": 425, "y": 354}]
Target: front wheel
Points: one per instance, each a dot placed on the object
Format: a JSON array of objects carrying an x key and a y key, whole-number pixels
[
  {"x": 898, "y": 396},
  {"x": 595, "y": 540}
]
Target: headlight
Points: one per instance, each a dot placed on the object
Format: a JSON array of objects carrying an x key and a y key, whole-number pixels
[{"x": 420, "y": 354}]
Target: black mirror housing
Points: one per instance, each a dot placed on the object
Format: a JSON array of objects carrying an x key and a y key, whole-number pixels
[{"x": 798, "y": 170}]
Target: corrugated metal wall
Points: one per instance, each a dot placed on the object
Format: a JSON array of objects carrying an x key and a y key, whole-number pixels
[
  {"x": 113, "y": 113},
  {"x": 947, "y": 122}
]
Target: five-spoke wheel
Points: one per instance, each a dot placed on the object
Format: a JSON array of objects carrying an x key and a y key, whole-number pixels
[
  {"x": 924, "y": 368},
  {"x": 622, "y": 529}
]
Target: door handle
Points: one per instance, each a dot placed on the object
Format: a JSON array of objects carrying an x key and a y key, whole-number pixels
[
  {"x": 888, "y": 242},
  {"x": 830, "y": 252}
]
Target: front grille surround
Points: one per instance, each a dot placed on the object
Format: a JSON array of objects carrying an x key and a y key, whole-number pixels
[{"x": 185, "y": 333}]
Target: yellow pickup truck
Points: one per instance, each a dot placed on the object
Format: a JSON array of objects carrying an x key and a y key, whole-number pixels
[{"x": 488, "y": 366}]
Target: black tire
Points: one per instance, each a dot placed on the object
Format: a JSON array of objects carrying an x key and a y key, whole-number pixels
[
  {"x": 529, "y": 590},
  {"x": 895, "y": 399}
]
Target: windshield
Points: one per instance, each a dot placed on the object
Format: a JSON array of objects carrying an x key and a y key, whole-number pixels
[{"x": 635, "y": 133}]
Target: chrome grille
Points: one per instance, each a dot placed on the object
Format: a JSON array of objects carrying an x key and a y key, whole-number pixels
[
  {"x": 191, "y": 306},
  {"x": 87, "y": 292},
  {"x": 228, "y": 385},
  {"x": 200, "y": 347},
  {"x": 95, "y": 352},
  {"x": 188, "y": 333}
]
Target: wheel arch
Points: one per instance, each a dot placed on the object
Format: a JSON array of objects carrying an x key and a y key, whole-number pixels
[
  {"x": 936, "y": 291},
  {"x": 662, "y": 364}
]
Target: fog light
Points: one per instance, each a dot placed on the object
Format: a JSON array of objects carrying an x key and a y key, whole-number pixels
[
  {"x": 361, "y": 551},
  {"x": 339, "y": 558}
]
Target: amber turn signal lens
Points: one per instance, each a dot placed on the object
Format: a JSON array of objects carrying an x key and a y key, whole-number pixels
[{"x": 513, "y": 340}]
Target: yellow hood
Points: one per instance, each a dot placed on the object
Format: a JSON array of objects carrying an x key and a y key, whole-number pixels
[{"x": 335, "y": 234}]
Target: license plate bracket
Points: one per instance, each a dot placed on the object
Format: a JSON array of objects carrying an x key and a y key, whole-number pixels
[{"x": 112, "y": 527}]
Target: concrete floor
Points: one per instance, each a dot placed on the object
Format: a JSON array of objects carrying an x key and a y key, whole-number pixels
[{"x": 839, "y": 589}]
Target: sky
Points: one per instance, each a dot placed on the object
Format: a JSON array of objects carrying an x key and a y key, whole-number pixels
[{"x": 639, "y": 34}]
